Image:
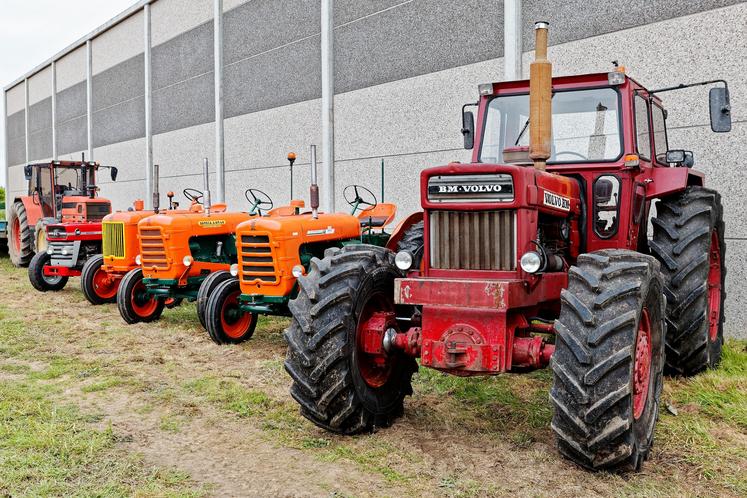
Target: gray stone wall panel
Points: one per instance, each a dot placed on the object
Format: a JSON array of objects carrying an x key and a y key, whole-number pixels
[
  {"x": 185, "y": 56},
  {"x": 122, "y": 82},
  {"x": 71, "y": 102},
  {"x": 16, "y": 150},
  {"x": 119, "y": 123},
  {"x": 184, "y": 104},
  {"x": 16, "y": 125},
  {"x": 71, "y": 135},
  {"x": 40, "y": 145},
  {"x": 40, "y": 115}
]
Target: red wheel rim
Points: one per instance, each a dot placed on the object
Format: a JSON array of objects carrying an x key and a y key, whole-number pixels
[
  {"x": 714, "y": 288},
  {"x": 642, "y": 368},
  {"x": 233, "y": 320},
  {"x": 16, "y": 229},
  {"x": 104, "y": 285},
  {"x": 169, "y": 301},
  {"x": 374, "y": 368},
  {"x": 142, "y": 304}
]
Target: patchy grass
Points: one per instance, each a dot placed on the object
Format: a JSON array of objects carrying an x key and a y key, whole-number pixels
[{"x": 50, "y": 449}]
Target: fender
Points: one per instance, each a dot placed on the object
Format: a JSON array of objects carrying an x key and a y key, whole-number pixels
[
  {"x": 661, "y": 182},
  {"x": 402, "y": 228},
  {"x": 33, "y": 210}
]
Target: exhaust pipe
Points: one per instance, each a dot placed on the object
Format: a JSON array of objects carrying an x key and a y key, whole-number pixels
[
  {"x": 540, "y": 99},
  {"x": 206, "y": 182},
  {"x": 156, "y": 194},
  {"x": 314, "y": 189}
]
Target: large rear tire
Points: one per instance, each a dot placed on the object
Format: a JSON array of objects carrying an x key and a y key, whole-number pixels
[
  {"x": 225, "y": 322},
  {"x": 97, "y": 285},
  {"x": 207, "y": 287},
  {"x": 337, "y": 385},
  {"x": 41, "y": 282},
  {"x": 20, "y": 236},
  {"x": 609, "y": 360},
  {"x": 132, "y": 301},
  {"x": 689, "y": 242},
  {"x": 413, "y": 241}
]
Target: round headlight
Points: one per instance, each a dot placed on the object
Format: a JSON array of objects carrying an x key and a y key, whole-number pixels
[
  {"x": 64, "y": 251},
  {"x": 234, "y": 270},
  {"x": 403, "y": 260},
  {"x": 50, "y": 250},
  {"x": 531, "y": 262},
  {"x": 187, "y": 260},
  {"x": 297, "y": 271},
  {"x": 77, "y": 231},
  {"x": 138, "y": 260}
]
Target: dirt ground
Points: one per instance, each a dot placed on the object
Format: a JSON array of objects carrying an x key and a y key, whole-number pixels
[{"x": 222, "y": 415}]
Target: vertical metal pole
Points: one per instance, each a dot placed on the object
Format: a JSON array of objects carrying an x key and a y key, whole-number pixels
[
  {"x": 382, "y": 179},
  {"x": 206, "y": 201},
  {"x": 314, "y": 189},
  {"x": 5, "y": 151},
  {"x": 328, "y": 107},
  {"x": 512, "y": 42},
  {"x": 54, "y": 110},
  {"x": 26, "y": 116},
  {"x": 218, "y": 71},
  {"x": 149, "y": 190},
  {"x": 89, "y": 98}
]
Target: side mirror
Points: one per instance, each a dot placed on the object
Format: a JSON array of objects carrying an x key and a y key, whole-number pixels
[
  {"x": 114, "y": 174},
  {"x": 468, "y": 129},
  {"x": 720, "y": 108},
  {"x": 27, "y": 173}
]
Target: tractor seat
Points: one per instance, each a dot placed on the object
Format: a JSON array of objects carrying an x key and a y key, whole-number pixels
[
  {"x": 218, "y": 207},
  {"x": 381, "y": 215}
]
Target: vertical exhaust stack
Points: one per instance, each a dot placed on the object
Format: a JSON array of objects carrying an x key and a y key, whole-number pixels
[
  {"x": 156, "y": 194},
  {"x": 314, "y": 189},
  {"x": 206, "y": 182},
  {"x": 540, "y": 99}
]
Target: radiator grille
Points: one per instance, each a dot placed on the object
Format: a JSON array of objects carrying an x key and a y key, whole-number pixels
[
  {"x": 473, "y": 240},
  {"x": 153, "y": 251},
  {"x": 255, "y": 259},
  {"x": 113, "y": 243}
]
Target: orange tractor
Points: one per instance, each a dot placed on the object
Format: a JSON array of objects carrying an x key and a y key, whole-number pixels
[
  {"x": 102, "y": 273},
  {"x": 274, "y": 251},
  {"x": 180, "y": 250}
]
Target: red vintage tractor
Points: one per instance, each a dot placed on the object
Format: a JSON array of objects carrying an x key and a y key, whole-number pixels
[
  {"x": 532, "y": 256},
  {"x": 68, "y": 220},
  {"x": 58, "y": 192}
]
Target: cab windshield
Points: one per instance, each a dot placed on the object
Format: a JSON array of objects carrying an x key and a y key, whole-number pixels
[
  {"x": 585, "y": 126},
  {"x": 70, "y": 182}
]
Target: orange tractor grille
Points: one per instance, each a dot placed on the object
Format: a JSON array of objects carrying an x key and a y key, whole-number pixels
[
  {"x": 113, "y": 239},
  {"x": 256, "y": 261},
  {"x": 153, "y": 250},
  {"x": 473, "y": 240}
]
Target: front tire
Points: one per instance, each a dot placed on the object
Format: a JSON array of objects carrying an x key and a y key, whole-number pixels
[
  {"x": 689, "y": 242},
  {"x": 207, "y": 287},
  {"x": 41, "y": 282},
  {"x": 20, "y": 236},
  {"x": 225, "y": 322},
  {"x": 97, "y": 285},
  {"x": 609, "y": 360},
  {"x": 134, "y": 304},
  {"x": 338, "y": 386}
]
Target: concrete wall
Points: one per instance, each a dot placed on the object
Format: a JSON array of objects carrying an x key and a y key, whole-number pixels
[{"x": 403, "y": 68}]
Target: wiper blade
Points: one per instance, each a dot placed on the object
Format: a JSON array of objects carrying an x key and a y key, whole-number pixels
[{"x": 526, "y": 125}]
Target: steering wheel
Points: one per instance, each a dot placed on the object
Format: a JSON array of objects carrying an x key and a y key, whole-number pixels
[
  {"x": 193, "y": 195},
  {"x": 580, "y": 156},
  {"x": 354, "y": 198},
  {"x": 259, "y": 200}
]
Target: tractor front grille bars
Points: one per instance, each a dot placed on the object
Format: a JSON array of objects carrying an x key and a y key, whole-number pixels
[
  {"x": 113, "y": 239},
  {"x": 473, "y": 240},
  {"x": 152, "y": 247},
  {"x": 256, "y": 261}
]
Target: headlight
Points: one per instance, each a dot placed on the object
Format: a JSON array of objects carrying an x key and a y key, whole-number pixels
[
  {"x": 50, "y": 250},
  {"x": 138, "y": 260},
  {"x": 187, "y": 260},
  {"x": 234, "y": 270},
  {"x": 77, "y": 231},
  {"x": 297, "y": 271},
  {"x": 64, "y": 251},
  {"x": 403, "y": 260},
  {"x": 531, "y": 262}
]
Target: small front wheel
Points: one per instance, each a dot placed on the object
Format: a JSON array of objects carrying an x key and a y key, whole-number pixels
[
  {"x": 225, "y": 321},
  {"x": 97, "y": 285},
  {"x": 207, "y": 287},
  {"x": 39, "y": 280},
  {"x": 134, "y": 303}
]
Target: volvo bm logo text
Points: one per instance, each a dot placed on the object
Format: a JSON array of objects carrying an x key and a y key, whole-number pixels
[
  {"x": 556, "y": 201},
  {"x": 468, "y": 189}
]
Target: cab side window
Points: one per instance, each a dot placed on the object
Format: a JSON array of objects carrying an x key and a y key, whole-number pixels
[
  {"x": 642, "y": 130},
  {"x": 661, "y": 144}
]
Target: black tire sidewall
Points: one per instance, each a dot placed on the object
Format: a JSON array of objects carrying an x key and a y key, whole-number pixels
[
  {"x": 214, "y": 309},
  {"x": 37, "y": 277},
  {"x": 86, "y": 280},
  {"x": 207, "y": 287},
  {"x": 383, "y": 399},
  {"x": 124, "y": 296}
]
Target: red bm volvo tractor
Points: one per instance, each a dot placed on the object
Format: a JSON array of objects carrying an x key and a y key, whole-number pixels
[{"x": 534, "y": 254}]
